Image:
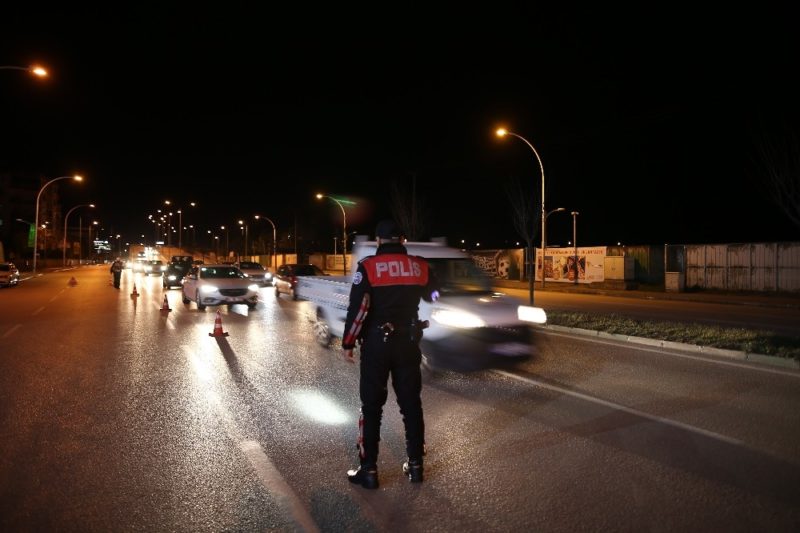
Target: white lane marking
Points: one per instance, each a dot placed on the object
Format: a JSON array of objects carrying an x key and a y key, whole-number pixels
[
  {"x": 37, "y": 311},
  {"x": 269, "y": 476},
  {"x": 12, "y": 330},
  {"x": 612, "y": 405},
  {"x": 274, "y": 482},
  {"x": 644, "y": 348},
  {"x": 54, "y": 297}
]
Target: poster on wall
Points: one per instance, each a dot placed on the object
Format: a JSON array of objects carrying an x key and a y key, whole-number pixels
[
  {"x": 560, "y": 264},
  {"x": 500, "y": 264}
]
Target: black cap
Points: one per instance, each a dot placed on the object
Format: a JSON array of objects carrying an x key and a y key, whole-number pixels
[{"x": 387, "y": 229}]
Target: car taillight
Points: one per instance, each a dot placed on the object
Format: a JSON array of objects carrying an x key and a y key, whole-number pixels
[{"x": 293, "y": 279}]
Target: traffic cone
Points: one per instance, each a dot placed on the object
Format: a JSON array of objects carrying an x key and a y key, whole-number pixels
[
  {"x": 134, "y": 294},
  {"x": 165, "y": 306},
  {"x": 72, "y": 281},
  {"x": 218, "y": 327}
]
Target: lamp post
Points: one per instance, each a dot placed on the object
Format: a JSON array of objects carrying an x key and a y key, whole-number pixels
[
  {"x": 94, "y": 223},
  {"x": 575, "y": 242},
  {"x": 502, "y": 132},
  {"x": 274, "y": 241},
  {"x": 33, "y": 69},
  {"x": 246, "y": 234},
  {"x": 64, "y": 244},
  {"x": 36, "y": 227},
  {"x": 227, "y": 246},
  {"x": 544, "y": 237},
  {"x": 344, "y": 227}
]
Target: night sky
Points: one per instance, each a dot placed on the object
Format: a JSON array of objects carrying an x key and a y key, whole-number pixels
[{"x": 647, "y": 119}]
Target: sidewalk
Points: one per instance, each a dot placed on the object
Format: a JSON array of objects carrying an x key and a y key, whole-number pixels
[{"x": 782, "y": 300}]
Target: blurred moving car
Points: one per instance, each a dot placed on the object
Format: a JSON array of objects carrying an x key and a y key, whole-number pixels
[
  {"x": 256, "y": 272},
  {"x": 138, "y": 264},
  {"x": 154, "y": 267},
  {"x": 217, "y": 285},
  {"x": 285, "y": 279},
  {"x": 9, "y": 275},
  {"x": 174, "y": 273}
]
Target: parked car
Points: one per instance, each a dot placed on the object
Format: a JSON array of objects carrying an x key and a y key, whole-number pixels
[
  {"x": 9, "y": 275},
  {"x": 154, "y": 267},
  {"x": 174, "y": 273},
  {"x": 256, "y": 272},
  {"x": 285, "y": 279},
  {"x": 217, "y": 285}
]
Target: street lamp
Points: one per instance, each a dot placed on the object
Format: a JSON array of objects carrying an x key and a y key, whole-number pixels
[
  {"x": 344, "y": 227},
  {"x": 64, "y": 244},
  {"x": 502, "y": 132},
  {"x": 36, "y": 70},
  {"x": 227, "y": 245},
  {"x": 91, "y": 244},
  {"x": 575, "y": 242},
  {"x": 180, "y": 223},
  {"x": 246, "y": 232},
  {"x": 36, "y": 229},
  {"x": 274, "y": 240},
  {"x": 544, "y": 237}
]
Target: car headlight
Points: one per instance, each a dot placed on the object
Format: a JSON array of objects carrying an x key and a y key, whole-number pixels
[
  {"x": 527, "y": 313},
  {"x": 172, "y": 277},
  {"x": 253, "y": 287},
  {"x": 208, "y": 288},
  {"x": 457, "y": 319}
]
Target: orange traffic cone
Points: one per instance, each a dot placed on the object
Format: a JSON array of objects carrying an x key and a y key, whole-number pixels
[
  {"x": 134, "y": 294},
  {"x": 165, "y": 306},
  {"x": 72, "y": 281},
  {"x": 218, "y": 327}
]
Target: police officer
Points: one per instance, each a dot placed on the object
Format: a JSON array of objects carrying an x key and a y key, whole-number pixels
[
  {"x": 116, "y": 270},
  {"x": 382, "y": 317}
]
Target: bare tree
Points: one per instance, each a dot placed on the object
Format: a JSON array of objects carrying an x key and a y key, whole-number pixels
[
  {"x": 778, "y": 159},
  {"x": 522, "y": 213},
  {"x": 408, "y": 210}
]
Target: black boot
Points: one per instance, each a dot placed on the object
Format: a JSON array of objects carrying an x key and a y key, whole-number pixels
[
  {"x": 366, "y": 476},
  {"x": 413, "y": 469}
]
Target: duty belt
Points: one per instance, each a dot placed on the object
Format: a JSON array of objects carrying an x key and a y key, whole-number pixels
[{"x": 415, "y": 328}]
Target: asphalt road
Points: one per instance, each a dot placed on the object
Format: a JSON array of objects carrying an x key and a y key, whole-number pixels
[{"x": 118, "y": 416}]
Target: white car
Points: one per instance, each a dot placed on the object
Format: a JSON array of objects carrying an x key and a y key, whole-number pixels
[
  {"x": 218, "y": 285},
  {"x": 256, "y": 272},
  {"x": 9, "y": 275}
]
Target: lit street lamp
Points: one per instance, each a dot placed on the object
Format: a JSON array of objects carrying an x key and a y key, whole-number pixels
[
  {"x": 227, "y": 245},
  {"x": 344, "y": 227},
  {"x": 33, "y": 69},
  {"x": 575, "y": 242},
  {"x": 502, "y": 133},
  {"x": 36, "y": 229},
  {"x": 544, "y": 236},
  {"x": 64, "y": 244},
  {"x": 274, "y": 245},
  {"x": 246, "y": 231}
]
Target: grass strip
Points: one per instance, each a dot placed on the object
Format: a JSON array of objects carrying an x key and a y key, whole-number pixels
[{"x": 742, "y": 339}]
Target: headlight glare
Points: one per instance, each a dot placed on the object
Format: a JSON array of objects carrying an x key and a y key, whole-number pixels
[{"x": 457, "y": 319}]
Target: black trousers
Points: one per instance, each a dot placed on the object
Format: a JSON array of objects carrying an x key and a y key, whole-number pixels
[
  {"x": 117, "y": 276},
  {"x": 400, "y": 358}
]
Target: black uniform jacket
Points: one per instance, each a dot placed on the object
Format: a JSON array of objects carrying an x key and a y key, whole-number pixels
[{"x": 387, "y": 287}]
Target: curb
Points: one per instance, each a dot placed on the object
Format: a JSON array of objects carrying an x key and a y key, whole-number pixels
[{"x": 782, "y": 362}]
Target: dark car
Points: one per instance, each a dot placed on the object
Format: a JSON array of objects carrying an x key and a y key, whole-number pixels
[
  {"x": 174, "y": 273},
  {"x": 285, "y": 279}
]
